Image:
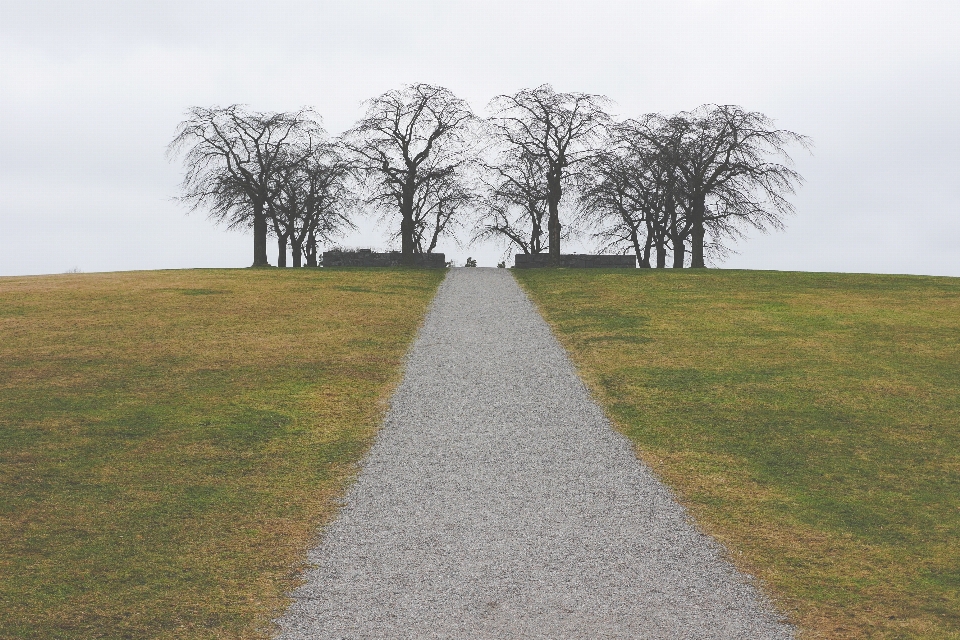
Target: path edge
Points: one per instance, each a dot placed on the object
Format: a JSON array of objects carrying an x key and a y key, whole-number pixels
[{"x": 767, "y": 597}]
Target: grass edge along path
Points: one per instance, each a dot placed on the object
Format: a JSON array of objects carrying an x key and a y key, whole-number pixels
[
  {"x": 807, "y": 420},
  {"x": 171, "y": 441}
]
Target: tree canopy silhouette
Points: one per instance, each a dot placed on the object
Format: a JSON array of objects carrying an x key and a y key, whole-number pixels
[
  {"x": 312, "y": 200},
  {"x": 233, "y": 157},
  {"x": 691, "y": 179},
  {"x": 411, "y": 150},
  {"x": 559, "y": 133}
]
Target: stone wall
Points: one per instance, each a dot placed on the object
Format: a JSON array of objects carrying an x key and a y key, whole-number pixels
[
  {"x": 368, "y": 258},
  {"x": 575, "y": 261}
]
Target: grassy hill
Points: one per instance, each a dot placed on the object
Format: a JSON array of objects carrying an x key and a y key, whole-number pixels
[
  {"x": 170, "y": 440},
  {"x": 809, "y": 421}
]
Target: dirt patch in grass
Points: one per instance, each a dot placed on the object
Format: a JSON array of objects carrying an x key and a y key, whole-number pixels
[
  {"x": 170, "y": 442},
  {"x": 808, "y": 421}
]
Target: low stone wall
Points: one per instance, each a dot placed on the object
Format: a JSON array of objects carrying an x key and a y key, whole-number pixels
[
  {"x": 575, "y": 261},
  {"x": 367, "y": 258}
]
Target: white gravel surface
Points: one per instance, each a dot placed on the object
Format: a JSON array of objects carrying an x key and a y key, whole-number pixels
[{"x": 497, "y": 502}]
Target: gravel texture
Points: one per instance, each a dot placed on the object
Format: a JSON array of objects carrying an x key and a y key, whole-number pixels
[{"x": 497, "y": 502}]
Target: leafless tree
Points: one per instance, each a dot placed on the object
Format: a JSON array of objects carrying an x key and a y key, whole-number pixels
[
  {"x": 663, "y": 195},
  {"x": 734, "y": 170},
  {"x": 515, "y": 204},
  {"x": 694, "y": 178},
  {"x": 285, "y": 209},
  {"x": 626, "y": 195},
  {"x": 561, "y": 132},
  {"x": 629, "y": 196},
  {"x": 443, "y": 196},
  {"x": 312, "y": 199},
  {"x": 326, "y": 204},
  {"x": 410, "y": 149},
  {"x": 232, "y": 158}
]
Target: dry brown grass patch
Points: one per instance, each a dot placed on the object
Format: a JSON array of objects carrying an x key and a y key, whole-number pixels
[{"x": 172, "y": 441}]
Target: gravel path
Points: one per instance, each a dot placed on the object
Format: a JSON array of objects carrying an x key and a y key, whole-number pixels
[{"x": 497, "y": 502}]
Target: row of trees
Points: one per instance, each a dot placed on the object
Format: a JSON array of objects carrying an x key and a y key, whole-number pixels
[
  {"x": 261, "y": 170},
  {"x": 543, "y": 163}
]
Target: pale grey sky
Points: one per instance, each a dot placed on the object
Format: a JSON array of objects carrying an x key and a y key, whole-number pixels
[{"x": 91, "y": 93}]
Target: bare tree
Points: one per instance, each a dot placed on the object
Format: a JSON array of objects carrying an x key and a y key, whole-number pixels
[
  {"x": 621, "y": 197},
  {"x": 630, "y": 195},
  {"x": 607, "y": 198},
  {"x": 696, "y": 177},
  {"x": 444, "y": 195},
  {"x": 326, "y": 203},
  {"x": 409, "y": 143},
  {"x": 285, "y": 207},
  {"x": 515, "y": 204},
  {"x": 560, "y": 131},
  {"x": 232, "y": 159},
  {"x": 722, "y": 155},
  {"x": 312, "y": 199}
]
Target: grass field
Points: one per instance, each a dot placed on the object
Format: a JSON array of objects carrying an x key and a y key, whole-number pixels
[
  {"x": 809, "y": 421},
  {"x": 170, "y": 441}
]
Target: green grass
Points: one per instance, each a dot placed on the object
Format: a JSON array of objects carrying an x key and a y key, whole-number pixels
[
  {"x": 809, "y": 421},
  {"x": 170, "y": 442}
]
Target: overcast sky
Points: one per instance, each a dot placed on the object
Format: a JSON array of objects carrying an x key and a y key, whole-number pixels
[{"x": 91, "y": 92}]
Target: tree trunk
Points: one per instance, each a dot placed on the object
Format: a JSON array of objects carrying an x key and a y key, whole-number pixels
[
  {"x": 259, "y": 237},
  {"x": 297, "y": 253},
  {"x": 406, "y": 240},
  {"x": 696, "y": 235},
  {"x": 437, "y": 228},
  {"x": 667, "y": 229},
  {"x": 311, "y": 250},
  {"x": 281, "y": 249},
  {"x": 645, "y": 263},
  {"x": 406, "y": 224},
  {"x": 554, "y": 225},
  {"x": 554, "y": 194},
  {"x": 678, "y": 252},
  {"x": 643, "y": 255},
  {"x": 661, "y": 253},
  {"x": 536, "y": 246}
]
